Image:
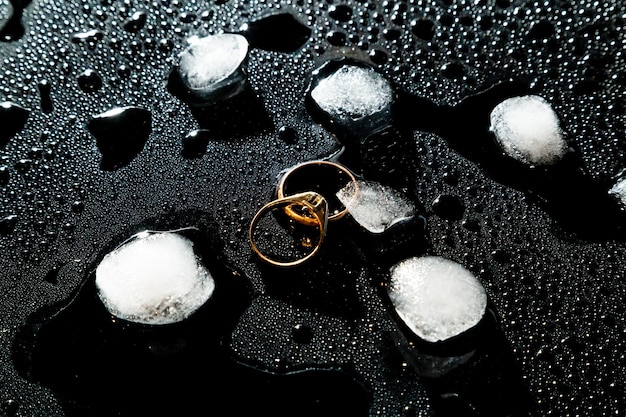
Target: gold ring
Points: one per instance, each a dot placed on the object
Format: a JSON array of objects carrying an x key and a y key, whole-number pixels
[
  {"x": 308, "y": 209},
  {"x": 343, "y": 177}
]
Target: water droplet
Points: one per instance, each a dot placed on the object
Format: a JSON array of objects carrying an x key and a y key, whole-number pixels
[
  {"x": 7, "y": 224},
  {"x": 89, "y": 81},
  {"x": 186, "y": 17},
  {"x": 378, "y": 56},
  {"x": 23, "y": 165},
  {"x": 135, "y": 22},
  {"x": 121, "y": 134},
  {"x": 336, "y": 38},
  {"x": 10, "y": 407},
  {"x": 78, "y": 206},
  {"x": 4, "y": 174},
  {"x": 89, "y": 38},
  {"x": 44, "y": 95},
  {"x": 195, "y": 143},
  {"x": 12, "y": 119},
  {"x": 123, "y": 71},
  {"x": 302, "y": 334},
  {"x": 449, "y": 207},
  {"x": 453, "y": 70},
  {"x": 340, "y": 12},
  {"x": 165, "y": 45},
  {"x": 279, "y": 32},
  {"x": 288, "y": 134},
  {"x": 542, "y": 29},
  {"x": 423, "y": 28}
]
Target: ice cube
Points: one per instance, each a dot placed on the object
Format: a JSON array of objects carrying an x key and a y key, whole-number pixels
[
  {"x": 213, "y": 67},
  {"x": 618, "y": 192},
  {"x": 436, "y": 297},
  {"x": 354, "y": 94},
  {"x": 154, "y": 278},
  {"x": 527, "y": 128},
  {"x": 373, "y": 205}
]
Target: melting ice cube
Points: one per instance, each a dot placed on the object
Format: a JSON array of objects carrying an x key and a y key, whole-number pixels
[
  {"x": 436, "y": 298},
  {"x": 353, "y": 94},
  {"x": 373, "y": 205},
  {"x": 154, "y": 278},
  {"x": 213, "y": 66},
  {"x": 527, "y": 128},
  {"x": 618, "y": 192}
]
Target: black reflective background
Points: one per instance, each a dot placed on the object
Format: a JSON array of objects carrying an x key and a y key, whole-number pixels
[{"x": 547, "y": 243}]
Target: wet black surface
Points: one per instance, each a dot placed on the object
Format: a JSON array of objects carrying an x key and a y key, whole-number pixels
[{"x": 547, "y": 243}]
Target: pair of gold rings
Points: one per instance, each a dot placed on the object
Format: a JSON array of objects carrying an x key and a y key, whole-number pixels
[{"x": 305, "y": 203}]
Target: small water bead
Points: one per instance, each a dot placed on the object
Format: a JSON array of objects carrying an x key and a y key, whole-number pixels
[
  {"x": 278, "y": 31},
  {"x": 45, "y": 96},
  {"x": 121, "y": 134},
  {"x": 7, "y": 224},
  {"x": 89, "y": 81},
  {"x": 436, "y": 297},
  {"x": 207, "y": 15},
  {"x": 378, "y": 56},
  {"x": 302, "y": 334},
  {"x": 449, "y": 207},
  {"x": 123, "y": 71},
  {"x": 87, "y": 37},
  {"x": 453, "y": 70},
  {"x": 340, "y": 12},
  {"x": 155, "y": 278},
  {"x": 528, "y": 129},
  {"x": 165, "y": 45},
  {"x": 4, "y": 174},
  {"x": 135, "y": 22},
  {"x": 542, "y": 29},
  {"x": 10, "y": 407},
  {"x": 288, "y": 134},
  {"x": 195, "y": 143},
  {"x": 211, "y": 69},
  {"x": 392, "y": 34},
  {"x": 13, "y": 118},
  {"x": 337, "y": 38},
  {"x": 423, "y": 29}
]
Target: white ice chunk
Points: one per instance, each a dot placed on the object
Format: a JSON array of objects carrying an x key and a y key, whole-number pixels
[
  {"x": 527, "y": 128},
  {"x": 436, "y": 298},
  {"x": 373, "y": 205},
  {"x": 353, "y": 92},
  {"x": 618, "y": 191},
  {"x": 154, "y": 278},
  {"x": 211, "y": 59}
]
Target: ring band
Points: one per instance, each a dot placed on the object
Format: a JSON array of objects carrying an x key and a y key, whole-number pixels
[
  {"x": 316, "y": 214},
  {"x": 341, "y": 171}
]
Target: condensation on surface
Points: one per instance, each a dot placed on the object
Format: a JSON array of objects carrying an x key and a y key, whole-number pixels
[{"x": 557, "y": 293}]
